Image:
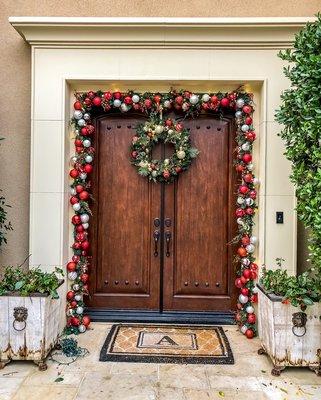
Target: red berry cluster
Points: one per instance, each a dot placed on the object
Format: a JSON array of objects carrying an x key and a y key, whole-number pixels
[{"x": 91, "y": 103}]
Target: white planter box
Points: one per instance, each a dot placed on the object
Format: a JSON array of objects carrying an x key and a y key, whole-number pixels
[
  {"x": 33, "y": 338},
  {"x": 279, "y": 339}
]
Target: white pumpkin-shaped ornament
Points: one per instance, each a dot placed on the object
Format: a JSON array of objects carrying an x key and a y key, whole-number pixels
[
  {"x": 250, "y": 248},
  {"x": 159, "y": 129},
  {"x": 181, "y": 154},
  {"x": 83, "y": 176},
  {"x": 73, "y": 191},
  {"x": 246, "y": 261},
  {"x": 167, "y": 104},
  {"x": 75, "y": 287},
  {"x": 240, "y": 200},
  {"x": 124, "y": 107}
]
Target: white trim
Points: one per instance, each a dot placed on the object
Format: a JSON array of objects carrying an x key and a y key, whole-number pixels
[{"x": 229, "y": 33}]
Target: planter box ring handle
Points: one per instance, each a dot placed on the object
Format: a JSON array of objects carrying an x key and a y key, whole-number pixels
[
  {"x": 299, "y": 320},
  {"x": 20, "y": 314}
]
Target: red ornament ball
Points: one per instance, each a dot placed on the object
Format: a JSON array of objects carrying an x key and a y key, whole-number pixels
[
  {"x": 88, "y": 168},
  {"x": 75, "y": 321},
  {"x": 254, "y": 266},
  {"x": 249, "y": 211},
  {"x": 245, "y": 291},
  {"x": 249, "y": 334},
  {"x": 168, "y": 122},
  {"x": 74, "y": 200},
  {"x": 74, "y": 173},
  {"x": 179, "y": 100},
  {"x": 247, "y": 273},
  {"x": 71, "y": 266},
  {"x": 84, "y": 195},
  {"x": 166, "y": 174},
  {"x": 75, "y": 258},
  {"x": 251, "y": 318},
  {"x": 247, "y": 109},
  {"x": 238, "y": 283},
  {"x": 85, "y": 245},
  {"x": 87, "y": 101},
  {"x": 108, "y": 96},
  {"x": 243, "y": 189},
  {"x": 97, "y": 101},
  {"x": 225, "y": 102},
  {"x": 250, "y": 136},
  {"x": 247, "y": 158},
  {"x": 128, "y": 100},
  {"x": 79, "y": 188},
  {"x": 76, "y": 220},
  {"x": 84, "y": 131},
  {"x": 179, "y": 127},
  {"x": 253, "y": 194},
  {"x": 86, "y": 320},
  {"x": 241, "y": 251},
  {"x": 84, "y": 278},
  {"x": 148, "y": 103},
  {"x": 239, "y": 213},
  {"x": 157, "y": 98},
  {"x": 117, "y": 95},
  {"x": 70, "y": 295},
  {"x": 77, "y": 105},
  {"x": 91, "y": 94},
  {"x": 248, "y": 178},
  {"x": 245, "y": 240},
  {"x": 248, "y": 121},
  {"x": 80, "y": 228}
]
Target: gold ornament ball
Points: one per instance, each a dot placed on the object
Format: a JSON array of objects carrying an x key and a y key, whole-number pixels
[{"x": 181, "y": 154}]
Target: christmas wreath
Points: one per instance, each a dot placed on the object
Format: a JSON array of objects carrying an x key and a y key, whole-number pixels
[{"x": 148, "y": 135}]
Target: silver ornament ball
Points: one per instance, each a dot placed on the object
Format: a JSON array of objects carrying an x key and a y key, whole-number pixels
[
  {"x": 238, "y": 114},
  {"x": 86, "y": 117},
  {"x": 117, "y": 103},
  {"x": 86, "y": 143},
  {"x": 83, "y": 176},
  {"x": 239, "y": 103},
  {"x": 124, "y": 107},
  {"x": 88, "y": 159},
  {"x": 245, "y": 128},
  {"x": 82, "y": 328},
  {"x": 135, "y": 98},
  {"x": 205, "y": 97},
  {"x": 81, "y": 122},
  {"x": 78, "y": 114},
  {"x": 85, "y": 225},
  {"x": 79, "y": 310},
  {"x": 76, "y": 206},
  {"x": 84, "y": 218},
  {"x": 194, "y": 99},
  {"x": 78, "y": 297}
]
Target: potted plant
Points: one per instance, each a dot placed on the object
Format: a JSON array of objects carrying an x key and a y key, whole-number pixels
[
  {"x": 30, "y": 304},
  {"x": 289, "y": 306},
  {"x": 290, "y": 326}
]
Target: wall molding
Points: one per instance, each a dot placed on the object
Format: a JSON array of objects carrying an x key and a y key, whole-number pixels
[{"x": 226, "y": 33}]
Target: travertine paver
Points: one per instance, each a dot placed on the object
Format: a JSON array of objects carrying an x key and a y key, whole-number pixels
[{"x": 88, "y": 378}]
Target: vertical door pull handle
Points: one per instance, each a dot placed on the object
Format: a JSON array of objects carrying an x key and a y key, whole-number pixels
[
  {"x": 168, "y": 236},
  {"x": 156, "y": 239}
]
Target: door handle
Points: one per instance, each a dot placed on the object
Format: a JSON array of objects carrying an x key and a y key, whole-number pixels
[
  {"x": 168, "y": 236},
  {"x": 156, "y": 240}
]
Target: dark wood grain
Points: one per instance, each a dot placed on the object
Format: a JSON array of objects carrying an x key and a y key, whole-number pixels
[{"x": 197, "y": 211}]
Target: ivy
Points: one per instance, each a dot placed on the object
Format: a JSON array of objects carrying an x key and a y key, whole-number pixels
[
  {"x": 300, "y": 116},
  {"x": 4, "y": 224}
]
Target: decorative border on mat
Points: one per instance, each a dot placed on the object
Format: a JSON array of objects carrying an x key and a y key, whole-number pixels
[{"x": 228, "y": 359}]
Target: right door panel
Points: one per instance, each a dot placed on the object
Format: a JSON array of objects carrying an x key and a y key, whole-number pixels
[{"x": 199, "y": 213}]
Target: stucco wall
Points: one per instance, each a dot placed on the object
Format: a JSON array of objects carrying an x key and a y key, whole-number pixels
[{"x": 15, "y": 80}]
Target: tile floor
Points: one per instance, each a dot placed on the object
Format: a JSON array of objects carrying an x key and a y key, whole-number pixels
[{"x": 248, "y": 379}]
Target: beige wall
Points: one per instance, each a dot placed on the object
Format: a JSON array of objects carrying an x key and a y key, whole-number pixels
[{"x": 15, "y": 80}]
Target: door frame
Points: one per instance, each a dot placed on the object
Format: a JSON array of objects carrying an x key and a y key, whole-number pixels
[{"x": 136, "y": 315}]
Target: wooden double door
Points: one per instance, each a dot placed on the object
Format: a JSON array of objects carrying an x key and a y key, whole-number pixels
[{"x": 163, "y": 247}]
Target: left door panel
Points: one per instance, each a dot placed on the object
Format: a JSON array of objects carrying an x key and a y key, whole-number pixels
[{"x": 126, "y": 273}]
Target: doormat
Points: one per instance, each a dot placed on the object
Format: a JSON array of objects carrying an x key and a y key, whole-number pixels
[{"x": 151, "y": 343}]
